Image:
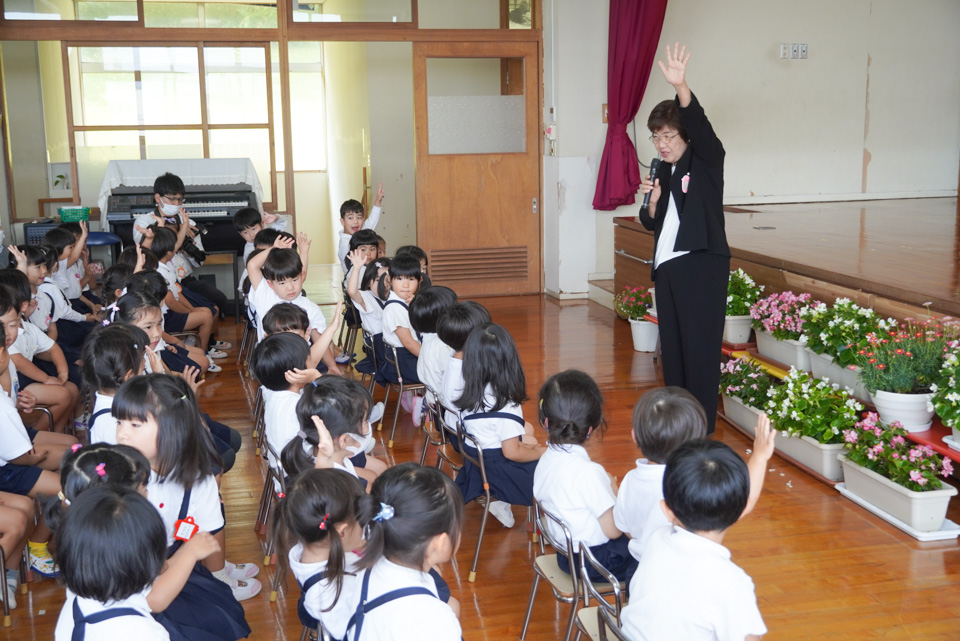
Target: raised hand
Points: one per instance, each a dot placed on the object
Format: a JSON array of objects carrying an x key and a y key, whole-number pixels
[
  {"x": 357, "y": 258},
  {"x": 379, "y": 198},
  {"x": 764, "y": 438},
  {"x": 675, "y": 71},
  {"x": 283, "y": 242},
  {"x": 301, "y": 376},
  {"x": 303, "y": 242},
  {"x": 324, "y": 445},
  {"x": 20, "y": 257},
  {"x": 141, "y": 260}
]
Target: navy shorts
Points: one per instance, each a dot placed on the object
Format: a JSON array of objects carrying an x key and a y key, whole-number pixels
[
  {"x": 174, "y": 321},
  {"x": 18, "y": 479},
  {"x": 32, "y": 433}
]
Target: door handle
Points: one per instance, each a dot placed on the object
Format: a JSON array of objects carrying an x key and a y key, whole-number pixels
[{"x": 620, "y": 252}]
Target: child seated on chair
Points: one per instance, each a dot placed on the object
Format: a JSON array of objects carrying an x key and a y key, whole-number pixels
[
  {"x": 686, "y": 586},
  {"x": 453, "y": 329},
  {"x": 87, "y": 277},
  {"x": 420, "y": 255},
  {"x": 363, "y": 250},
  {"x": 425, "y": 310},
  {"x": 56, "y": 316},
  {"x": 69, "y": 249},
  {"x": 368, "y": 295},
  {"x": 397, "y": 333},
  {"x": 663, "y": 419},
  {"x": 351, "y": 219},
  {"x": 248, "y": 222}
]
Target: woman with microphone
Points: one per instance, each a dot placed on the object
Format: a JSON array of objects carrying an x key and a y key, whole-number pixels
[{"x": 691, "y": 262}]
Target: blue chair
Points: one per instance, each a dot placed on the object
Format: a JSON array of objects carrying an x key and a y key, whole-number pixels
[{"x": 104, "y": 239}]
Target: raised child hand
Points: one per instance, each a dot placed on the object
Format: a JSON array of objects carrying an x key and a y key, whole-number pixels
[
  {"x": 20, "y": 257},
  {"x": 201, "y": 545},
  {"x": 270, "y": 218},
  {"x": 301, "y": 376},
  {"x": 141, "y": 260},
  {"x": 379, "y": 198},
  {"x": 358, "y": 257},
  {"x": 303, "y": 242},
  {"x": 324, "y": 445},
  {"x": 283, "y": 242},
  {"x": 83, "y": 228},
  {"x": 764, "y": 438}
]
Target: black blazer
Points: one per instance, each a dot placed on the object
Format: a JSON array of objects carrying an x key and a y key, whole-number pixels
[{"x": 701, "y": 208}]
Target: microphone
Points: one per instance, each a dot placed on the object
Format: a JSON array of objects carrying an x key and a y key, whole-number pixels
[{"x": 654, "y": 166}]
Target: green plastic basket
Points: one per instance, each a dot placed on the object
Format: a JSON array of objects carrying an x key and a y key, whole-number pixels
[{"x": 74, "y": 214}]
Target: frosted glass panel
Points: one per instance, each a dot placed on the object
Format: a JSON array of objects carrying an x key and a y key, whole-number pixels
[
  {"x": 352, "y": 11},
  {"x": 236, "y": 84},
  {"x": 94, "y": 150},
  {"x": 476, "y": 124},
  {"x": 173, "y": 144},
  {"x": 69, "y": 10},
  {"x": 459, "y": 14},
  {"x": 245, "y": 143}
]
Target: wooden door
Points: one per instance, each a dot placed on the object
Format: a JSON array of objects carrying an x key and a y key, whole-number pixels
[{"x": 477, "y": 111}]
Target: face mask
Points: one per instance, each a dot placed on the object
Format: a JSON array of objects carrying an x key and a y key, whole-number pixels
[
  {"x": 169, "y": 210},
  {"x": 362, "y": 443}
]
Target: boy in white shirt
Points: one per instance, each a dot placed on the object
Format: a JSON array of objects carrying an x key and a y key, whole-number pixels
[
  {"x": 248, "y": 222},
  {"x": 351, "y": 218},
  {"x": 453, "y": 328},
  {"x": 70, "y": 273},
  {"x": 425, "y": 311},
  {"x": 686, "y": 586}
]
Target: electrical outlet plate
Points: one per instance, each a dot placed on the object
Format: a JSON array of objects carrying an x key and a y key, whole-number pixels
[
  {"x": 795, "y": 51},
  {"x": 803, "y": 51},
  {"x": 784, "y": 51}
]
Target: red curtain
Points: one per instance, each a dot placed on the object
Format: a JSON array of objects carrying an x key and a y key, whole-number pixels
[{"x": 634, "y": 34}]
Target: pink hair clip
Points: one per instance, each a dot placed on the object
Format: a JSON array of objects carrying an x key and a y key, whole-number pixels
[
  {"x": 102, "y": 469},
  {"x": 75, "y": 447},
  {"x": 323, "y": 523}
]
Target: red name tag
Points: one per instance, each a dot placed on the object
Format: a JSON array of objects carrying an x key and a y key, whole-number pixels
[{"x": 184, "y": 529}]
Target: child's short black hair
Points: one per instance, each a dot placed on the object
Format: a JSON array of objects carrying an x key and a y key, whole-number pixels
[
  {"x": 164, "y": 241},
  {"x": 456, "y": 323},
  {"x": 570, "y": 405},
  {"x": 266, "y": 237},
  {"x": 34, "y": 253},
  {"x": 285, "y": 317},
  {"x": 168, "y": 185},
  {"x": 131, "y": 306},
  {"x": 129, "y": 257},
  {"x": 363, "y": 238},
  {"x": 414, "y": 251},
  {"x": 246, "y": 217},
  {"x": 706, "y": 485},
  {"x": 664, "y": 418},
  {"x": 427, "y": 306},
  {"x": 282, "y": 264},
  {"x": 150, "y": 283},
  {"x": 115, "y": 278},
  {"x": 19, "y": 285},
  {"x": 73, "y": 228},
  {"x": 109, "y": 352},
  {"x": 372, "y": 273},
  {"x": 8, "y": 299},
  {"x": 59, "y": 238},
  {"x": 51, "y": 256},
  {"x": 111, "y": 545},
  {"x": 277, "y": 354},
  {"x": 351, "y": 207},
  {"x": 406, "y": 265}
]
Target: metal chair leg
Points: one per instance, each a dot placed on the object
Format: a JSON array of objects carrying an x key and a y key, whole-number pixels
[
  {"x": 6, "y": 606},
  {"x": 386, "y": 401},
  {"x": 533, "y": 596},
  {"x": 483, "y": 524},
  {"x": 396, "y": 415}
]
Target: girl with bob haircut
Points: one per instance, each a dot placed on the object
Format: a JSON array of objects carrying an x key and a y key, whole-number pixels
[
  {"x": 368, "y": 293},
  {"x": 158, "y": 415},
  {"x": 416, "y": 527},
  {"x": 405, "y": 278},
  {"x": 319, "y": 521},
  {"x": 111, "y": 355},
  {"x": 490, "y": 412},
  {"x": 571, "y": 486},
  {"x": 110, "y": 548}
]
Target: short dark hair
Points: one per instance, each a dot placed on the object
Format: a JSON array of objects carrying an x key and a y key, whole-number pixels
[
  {"x": 168, "y": 185},
  {"x": 351, "y": 207},
  {"x": 405, "y": 265},
  {"x": 666, "y": 114},
  {"x": 363, "y": 238},
  {"x": 282, "y": 264},
  {"x": 285, "y": 317},
  {"x": 570, "y": 404},
  {"x": 164, "y": 241},
  {"x": 246, "y": 217},
  {"x": 129, "y": 257},
  {"x": 414, "y": 251},
  {"x": 490, "y": 359},
  {"x": 427, "y": 306},
  {"x": 664, "y": 418},
  {"x": 8, "y": 299},
  {"x": 457, "y": 321},
  {"x": 19, "y": 286},
  {"x": 706, "y": 485},
  {"x": 59, "y": 238},
  {"x": 277, "y": 354},
  {"x": 372, "y": 273},
  {"x": 266, "y": 237},
  {"x": 115, "y": 277},
  {"x": 426, "y": 503},
  {"x": 34, "y": 253},
  {"x": 130, "y": 306},
  {"x": 150, "y": 283},
  {"x": 51, "y": 256},
  {"x": 109, "y": 353},
  {"x": 73, "y": 228},
  {"x": 112, "y": 544}
]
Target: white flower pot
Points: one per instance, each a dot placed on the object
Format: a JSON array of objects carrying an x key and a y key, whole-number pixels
[
  {"x": 789, "y": 352},
  {"x": 645, "y": 335},
  {"x": 914, "y": 411},
  {"x": 740, "y": 413},
  {"x": 923, "y": 511},
  {"x": 823, "y": 366},
  {"x": 956, "y": 434},
  {"x": 809, "y": 452},
  {"x": 736, "y": 329}
]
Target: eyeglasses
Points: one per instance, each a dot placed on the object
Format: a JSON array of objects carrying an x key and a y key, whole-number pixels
[
  {"x": 174, "y": 200},
  {"x": 655, "y": 138}
]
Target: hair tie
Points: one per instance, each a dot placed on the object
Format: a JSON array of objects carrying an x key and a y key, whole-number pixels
[
  {"x": 105, "y": 322},
  {"x": 302, "y": 434},
  {"x": 64, "y": 499},
  {"x": 102, "y": 469},
  {"x": 323, "y": 523},
  {"x": 183, "y": 397},
  {"x": 75, "y": 447},
  {"x": 385, "y": 514}
]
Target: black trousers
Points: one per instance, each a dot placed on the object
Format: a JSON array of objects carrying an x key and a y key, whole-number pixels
[
  {"x": 691, "y": 293},
  {"x": 208, "y": 291}
]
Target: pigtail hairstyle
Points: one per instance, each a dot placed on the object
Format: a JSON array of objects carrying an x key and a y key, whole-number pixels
[
  {"x": 371, "y": 275},
  {"x": 51, "y": 257},
  {"x": 86, "y": 467},
  {"x": 570, "y": 405},
  {"x": 490, "y": 360},
  {"x": 315, "y": 502},
  {"x": 185, "y": 449},
  {"x": 109, "y": 353},
  {"x": 130, "y": 306},
  {"x": 115, "y": 278},
  {"x": 414, "y": 504},
  {"x": 343, "y": 405}
]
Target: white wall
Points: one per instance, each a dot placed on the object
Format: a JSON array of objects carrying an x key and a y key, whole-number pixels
[{"x": 794, "y": 130}]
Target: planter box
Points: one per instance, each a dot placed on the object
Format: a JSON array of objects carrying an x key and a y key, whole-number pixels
[
  {"x": 645, "y": 335},
  {"x": 823, "y": 366},
  {"x": 741, "y": 413},
  {"x": 807, "y": 451},
  {"x": 736, "y": 329},
  {"x": 910, "y": 409},
  {"x": 923, "y": 511},
  {"x": 791, "y": 353}
]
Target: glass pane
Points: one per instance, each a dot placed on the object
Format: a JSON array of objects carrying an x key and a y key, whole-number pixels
[
  {"x": 458, "y": 14},
  {"x": 94, "y": 150},
  {"x": 245, "y": 143},
  {"x": 68, "y": 10},
  {"x": 232, "y": 15},
  {"x": 306, "y": 102},
  {"x": 236, "y": 85},
  {"x": 107, "y": 99},
  {"x": 174, "y": 144},
  {"x": 475, "y": 105},
  {"x": 170, "y": 85},
  {"x": 353, "y": 11},
  {"x": 520, "y": 14}
]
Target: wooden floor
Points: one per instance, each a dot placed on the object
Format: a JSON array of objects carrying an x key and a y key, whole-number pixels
[{"x": 823, "y": 567}]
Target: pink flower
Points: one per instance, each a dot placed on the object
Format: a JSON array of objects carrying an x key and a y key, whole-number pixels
[
  {"x": 917, "y": 477},
  {"x": 947, "y": 467}
]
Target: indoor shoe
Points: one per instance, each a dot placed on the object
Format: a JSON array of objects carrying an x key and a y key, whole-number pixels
[
  {"x": 419, "y": 410},
  {"x": 406, "y": 401},
  {"x": 502, "y": 512},
  {"x": 221, "y": 344},
  {"x": 12, "y": 584},
  {"x": 44, "y": 566},
  {"x": 241, "y": 571},
  {"x": 213, "y": 368},
  {"x": 343, "y": 358},
  {"x": 243, "y": 589},
  {"x": 376, "y": 413},
  {"x": 213, "y": 352}
]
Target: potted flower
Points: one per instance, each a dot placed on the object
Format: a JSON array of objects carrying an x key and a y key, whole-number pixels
[
  {"x": 632, "y": 304},
  {"x": 900, "y": 367},
  {"x": 742, "y": 293},
  {"x": 834, "y": 335},
  {"x": 895, "y": 475},
  {"x": 946, "y": 392},
  {"x": 813, "y": 413},
  {"x": 779, "y": 326},
  {"x": 744, "y": 386}
]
